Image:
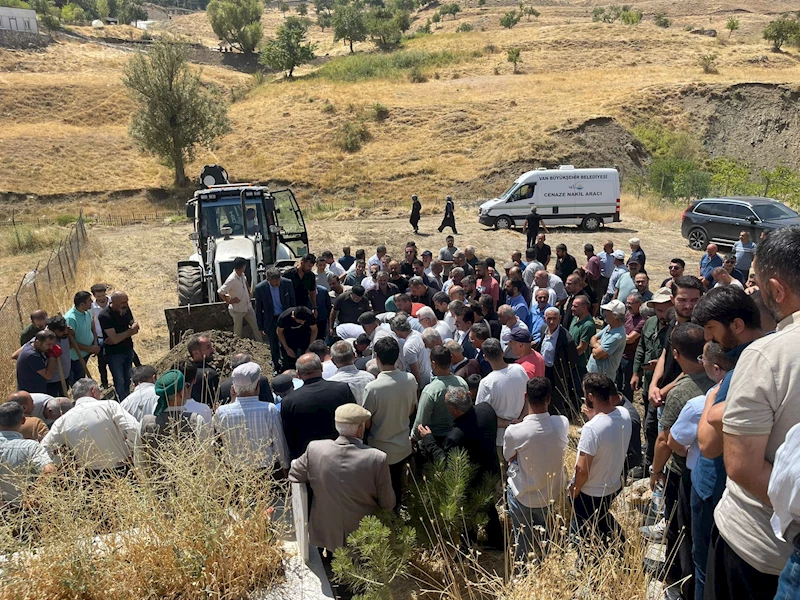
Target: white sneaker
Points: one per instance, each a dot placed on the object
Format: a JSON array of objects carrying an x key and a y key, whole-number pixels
[{"x": 654, "y": 533}]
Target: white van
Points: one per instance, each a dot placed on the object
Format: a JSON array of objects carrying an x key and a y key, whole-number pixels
[{"x": 563, "y": 196}]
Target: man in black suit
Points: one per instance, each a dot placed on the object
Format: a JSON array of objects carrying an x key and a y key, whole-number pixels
[
  {"x": 273, "y": 296},
  {"x": 560, "y": 359},
  {"x": 308, "y": 412}
]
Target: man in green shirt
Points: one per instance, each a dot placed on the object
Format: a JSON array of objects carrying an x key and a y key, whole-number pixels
[
  {"x": 432, "y": 410},
  {"x": 80, "y": 319},
  {"x": 38, "y": 322},
  {"x": 582, "y": 329}
]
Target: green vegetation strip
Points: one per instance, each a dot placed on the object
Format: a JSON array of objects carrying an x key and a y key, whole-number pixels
[{"x": 395, "y": 65}]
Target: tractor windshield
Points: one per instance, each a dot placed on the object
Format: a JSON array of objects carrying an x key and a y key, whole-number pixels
[
  {"x": 227, "y": 212},
  {"x": 290, "y": 218}
]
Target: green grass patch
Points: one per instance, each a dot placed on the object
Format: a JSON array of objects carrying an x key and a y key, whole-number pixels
[
  {"x": 394, "y": 65},
  {"x": 24, "y": 239}
]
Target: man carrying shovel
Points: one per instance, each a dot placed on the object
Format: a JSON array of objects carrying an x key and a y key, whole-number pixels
[{"x": 83, "y": 337}]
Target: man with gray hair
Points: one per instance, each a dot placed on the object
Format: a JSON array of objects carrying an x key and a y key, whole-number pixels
[
  {"x": 414, "y": 355},
  {"x": 561, "y": 364},
  {"x": 307, "y": 413},
  {"x": 343, "y": 356},
  {"x": 510, "y": 323},
  {"x": 250, "y": 430},
  {"x": 21, "y": 460},
  {"x": 460, "y": 261},
  {"x": 143, "y": 399},
  {"x": 427, "y": 318},
  {"x": 226, "y": 390},
  {"x": 431, "y": 338},
  {"x": 456, "y": 275},
  {"x": 349, "y": 479},
  {"x": 99, "y": 435},
  {"x": 48, "y": 409},
  {"x": 609, "y": 343}
]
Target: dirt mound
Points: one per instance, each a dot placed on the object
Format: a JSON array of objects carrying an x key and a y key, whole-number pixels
[
  {"x": 603, "y": 142},
  {"x": 225, "y": 346},
  {"x": 754, "y": 122}
]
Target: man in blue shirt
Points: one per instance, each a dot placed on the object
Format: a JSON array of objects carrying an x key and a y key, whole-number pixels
[
  {"x": 536, "y": 317},
  {"x": 745, "y": 250},
  {"x": 710, "y": 261},
  {"x": 80, "y": 319},
  {"x": 515, "y": 299},
  {"x": 731, "y": 318},
  {"x": 619, "y": 270}
]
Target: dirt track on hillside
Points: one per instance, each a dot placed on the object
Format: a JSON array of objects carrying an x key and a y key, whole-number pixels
[{"x": 142, "y": 259}]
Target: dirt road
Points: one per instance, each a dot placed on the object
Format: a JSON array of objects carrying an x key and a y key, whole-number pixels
[{"x": 142, "y": 259}]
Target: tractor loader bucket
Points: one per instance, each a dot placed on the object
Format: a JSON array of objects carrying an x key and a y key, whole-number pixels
[{"x": 198, "y": 317}]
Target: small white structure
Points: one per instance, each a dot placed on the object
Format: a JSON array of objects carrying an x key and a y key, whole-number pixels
[
  {"x": 18, "y": 19},
  {"x": 97, "y": 24}
]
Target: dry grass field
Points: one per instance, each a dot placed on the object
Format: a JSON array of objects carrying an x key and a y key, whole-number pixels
[{"x": 64, "y": 112}]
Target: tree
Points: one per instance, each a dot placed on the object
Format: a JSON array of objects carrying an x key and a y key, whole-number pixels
[
  {"x": 514, "y": 57},
  {"x": 49, "y": 15},
  {"x": 174, "y": 114},
  {"x": 732, "y": 25},
  {"x": 72, "y": 13},
  {"x": 451, "y": 8},
  {"x": 708, "y": 62},
  {"x": 103, "y": 9},
  {"x": 348, "y": 24},
  {"x": 131, "y": 10},
  {"x": 436, "y": 18},
  {"x": 324, "y": 20},
  {"x": 531, "y": 12},
  {"x": 661, "y": 20},
  {"x": 287, "y": 50},
  {"x": 510, "y": 19},
  {"x": 323, "y": 6},
  {"x": 781, "y": 31},
  {"x": 382, "y": 27},
  {"x": 302, "y": 9},
  {"x": 238, "y": 22}
]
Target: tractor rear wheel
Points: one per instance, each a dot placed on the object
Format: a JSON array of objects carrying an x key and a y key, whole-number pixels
[{"x": 190, "y": 284}]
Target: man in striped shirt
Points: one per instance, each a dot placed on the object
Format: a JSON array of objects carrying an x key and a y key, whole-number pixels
[{"x": 249, "y": 430}]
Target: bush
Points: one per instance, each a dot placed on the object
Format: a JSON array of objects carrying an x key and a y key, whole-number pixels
[
  {"x": 237, "y": 22},
  {"x": 351, "y": 135},
  {"x": 708, "y": 62},
  {"x": 415, "y": 75},
  {"x": 64, "y": 220},
  {"x": 24, "y": 239},
  {"x": 631, "y": 17},
  {"x": 464, "y": 28},
  {"x": 387, "y": 66},
  {"x": 531, "y": 12},
  {"x": 490, "y": 48},
  {"x": 380, "y": 112},
  {"x": 510, "y": 19},
  {"x": 661, "y": 20},
  {"x": 451, "y": 9},
  {"x": 72, "y": 13},
  {"x": 514, "y": 57},
  {"x": 781, "y": 31},
  {"x": 732, "y": 25},
  {"x": 328, "y": 108}
]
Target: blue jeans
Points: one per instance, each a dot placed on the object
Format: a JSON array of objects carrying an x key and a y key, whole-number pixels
[
  {"x": 121, "y": 367},
  {"x": 789, "y": 581},
  {"x": 531, "y": 528}
]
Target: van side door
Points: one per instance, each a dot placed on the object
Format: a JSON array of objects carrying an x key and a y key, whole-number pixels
[{"x": 519, "y": 203}]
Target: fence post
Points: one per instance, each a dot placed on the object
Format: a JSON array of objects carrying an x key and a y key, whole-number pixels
[{"x": 61, "y": 263}]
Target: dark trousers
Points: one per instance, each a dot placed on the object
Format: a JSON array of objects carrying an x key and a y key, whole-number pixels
[
  {"x": 624, "y": 374},
  {"x": 121, "y": 366},
  {"x": 531, "y": 242},
  {"x": 274, "y": 345},
  {"x": 677, "y": 533},
  {"x": 54, "y": 389},
  {"x": 729, "y": 577},
  {"x": 702, "y": 523},
  {"x": 592, "y": 517},
  {"x": 102, "y": 366},
  {"x": 450, "y": 222},
  {"x": 684, "y": 559},
  {"x": 76, "y": 371},
  {"x": 602, "y": 286},
  {"x": 396, "y": 472},
  {"x": 650, "y": 432}
]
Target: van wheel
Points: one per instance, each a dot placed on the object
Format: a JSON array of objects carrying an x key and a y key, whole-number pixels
[
  {"x": 591, "y": 223},
  {"x": 698, "y": 239},
  {"x": 503, "y": 223}
]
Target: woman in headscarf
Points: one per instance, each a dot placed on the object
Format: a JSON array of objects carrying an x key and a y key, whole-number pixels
[
  {"x": 170, "y": 421},
  {"x": 416, "y": 207}
]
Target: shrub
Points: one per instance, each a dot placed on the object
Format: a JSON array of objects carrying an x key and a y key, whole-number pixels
[
  {"x": 708, "y": 62},
  {"x": 64, "y": 220},
  {"x": 661, "y": 20},
  {"x": 302, "y": 9},
  {"x": 387, "y": 66},
  {"x": 732, "y": 25},
  {"x": 531, "y": 12},
  {"x": 451, "y": 9},
  {"x": 24, "y": 239},
  {"x": 415, "y": 75},
  {"x": 72, "y": 13},
  {"x": 514, "y": 57},
  {"x": 781, "y": 31},
  {"x": 351, "y": 135},
  {"x": 490, "y": 48},
  {"x": 631, "y": 17},
  {"x": 510, "y": 19},
  {"x": 380, "y": 112},
  {"x": 328, "y": 108},
  {"x": 464, "y": 28}
]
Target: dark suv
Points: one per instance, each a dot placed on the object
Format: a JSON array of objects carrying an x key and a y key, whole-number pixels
[{"x": 722, "y": 219}]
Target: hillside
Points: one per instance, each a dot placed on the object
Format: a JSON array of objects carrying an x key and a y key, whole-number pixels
[{"x": 471, "y": 127}]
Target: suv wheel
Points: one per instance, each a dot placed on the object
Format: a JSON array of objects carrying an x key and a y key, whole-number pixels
[
  {"x": 698, "y": 238},
  {"x": 591, "y": 223},
  {"x": 503, "y": 223}
]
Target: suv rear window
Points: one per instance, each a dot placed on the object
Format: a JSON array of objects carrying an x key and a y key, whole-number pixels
[{"x": 716, "y": 209}]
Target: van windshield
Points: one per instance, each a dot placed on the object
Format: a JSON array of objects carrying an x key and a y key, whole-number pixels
[{"x": 507, "y": 193}]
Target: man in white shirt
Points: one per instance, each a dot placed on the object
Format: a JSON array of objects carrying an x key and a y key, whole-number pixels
[
  {"x": 143, "y": 399},
  {"x": 236, "y": 293},
  {"x": 510, "y": 323},
  {"x": 533, "y": 267},
  {"x": 427, "y": 318},
  {"x": 250, "y": 430},
  {"x": 535, "y": 450},
  {"x": 343, "y": 356},
  {"x": 375, "y": 259},
  {"x": 333, "y": 266},
  {"x": 21, "y": 460},
  {"x": 600, "y": 462},
  {"x": 503, "y": 388},
  {"x": 414, "y": 354},
  {"x": 784, "y": 495},
  {"x": 541, "y": 281},
  {"x": 99, "y": 435}
]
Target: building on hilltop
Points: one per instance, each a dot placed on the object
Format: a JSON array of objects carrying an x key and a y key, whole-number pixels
[{"x": 18, "y": 19}]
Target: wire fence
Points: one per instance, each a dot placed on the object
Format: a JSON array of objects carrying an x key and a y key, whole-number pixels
[
  {"x": 112, "y": 220},
  {"x": 47, "y": 286}
]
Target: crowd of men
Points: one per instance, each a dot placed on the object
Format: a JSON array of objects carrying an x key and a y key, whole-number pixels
[{"x": 381, "y": 365}]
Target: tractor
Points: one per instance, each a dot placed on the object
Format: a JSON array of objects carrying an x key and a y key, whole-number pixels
[{"x": 230, "y": 220}]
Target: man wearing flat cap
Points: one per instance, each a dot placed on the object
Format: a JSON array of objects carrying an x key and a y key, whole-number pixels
[{"x": 348, "y": 479}]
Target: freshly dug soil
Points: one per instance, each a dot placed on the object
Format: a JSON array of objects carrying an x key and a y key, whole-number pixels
[{"x": 225, "y": 346}]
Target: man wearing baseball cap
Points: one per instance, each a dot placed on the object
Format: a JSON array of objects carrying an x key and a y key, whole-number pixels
[
  {"x": 349, "y": 479},
  {"x": 619, "y": 270},
  {"x": 637, "y": 253},
  {"x": 529, "y": 359},
  {"x": 608, "y": 345}
]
